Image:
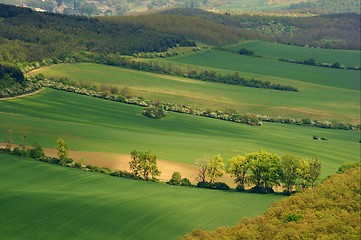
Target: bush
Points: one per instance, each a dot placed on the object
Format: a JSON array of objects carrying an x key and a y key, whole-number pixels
[
  {"x": 186, "y": 182},
  {"x": 37, "y": 151},
  {"x": 156, "y": 111},
  {"x": 245, "y": 51},
  {"x": 176, "y": 179},
  {"x": 315, "y": 138},
  {"x": 215, "y": 185},
  {"x": 263, "y": 190}
]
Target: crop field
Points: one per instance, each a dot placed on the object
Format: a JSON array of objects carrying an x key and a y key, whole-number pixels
[
  {"x": 44, "y": 201},
  {"x": 349, "y": 58},
  {"x": 97, "y": 125},
  {"x": 255, "y": 5},
  {"x": 340, "y": 78},
  {"x": 318, "y": 102}
]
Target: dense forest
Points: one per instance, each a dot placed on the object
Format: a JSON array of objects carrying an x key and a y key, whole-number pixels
[
  {"x": 27, "y": 36},
  {"x": 329, "y": 211},
  {"x": 326, "y": 31}
]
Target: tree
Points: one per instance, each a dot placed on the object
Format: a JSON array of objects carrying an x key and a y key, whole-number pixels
[
  {"x": 202, "y": 168},
  {"x": 309, "y": 172},
  {"x": 265, "y": 169},
  {"x": 144, "y": 165},
  {"x": 176, "y": 179},
  {"x": 290, "y": 169},
  {"x": 10, "y": 139},
  {"x": 63, "y": 150},
  {"x": 238, "y": 167},
  {"x": 215, "y": 168},
  {"x": 314, "y": 171}
]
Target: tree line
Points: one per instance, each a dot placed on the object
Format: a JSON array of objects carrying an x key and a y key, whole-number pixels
[{"x": 257, "y": 172}]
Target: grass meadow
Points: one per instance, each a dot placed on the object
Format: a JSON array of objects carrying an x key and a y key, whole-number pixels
[
  {"x": 315, "y": 101},
  {"x": 277, "y": 51},
  {"x": 44, "y": 201},
  {"x": 97, "y": 125}
]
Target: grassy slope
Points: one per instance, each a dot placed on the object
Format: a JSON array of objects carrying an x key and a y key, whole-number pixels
[
  {"x": 61, "y": 203},
  {"x": 313, "y": 101},
  {"x": 276, "y": 51},
  {"x": 91, "y": 124},
  {"x": 348, "y": 79},
  {"x": 255, "y": 5}
]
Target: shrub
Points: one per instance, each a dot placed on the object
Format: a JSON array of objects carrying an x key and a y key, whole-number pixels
[
  {"x": 176, "y": 179},
  {"x": 156, "y": 111},
  {"x": 245, "y": 51},
  {"x": 215, "y": 185},
  {"x": 37, "y": 151},
  {"x": 315, "y": 138},
  {"x": 263, "y": 190},
  {"x": 186, "y": 182}
]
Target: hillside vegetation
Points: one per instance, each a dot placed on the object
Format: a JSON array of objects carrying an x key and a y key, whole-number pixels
[
  {"x": 64, "y": 203},
  {"x": 327, "y": 6},
  {"x": 336, "y": 103},
  {"x": 101, "y": 126},
  {"x": 27, "y": 36},
  {"x": 325, "y": 31},
  {"x": 330, "y": 211}
]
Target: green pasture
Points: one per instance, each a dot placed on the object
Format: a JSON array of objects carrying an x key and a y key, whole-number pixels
[
  {"x": 314, "y": 101},
  {"x": 97, "y": 125},
  {"x": 349, "y": 58},
  {"x": 253, "y": 5},
  {"x": 44, "y": 201},
  {"x": 340, "y": 78}
]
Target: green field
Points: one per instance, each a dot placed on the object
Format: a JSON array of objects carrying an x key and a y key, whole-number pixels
[
  {"x": 349, "y": 58},
  {"x": 97, "y": 125},
  {"x": 44, "y": 201},
  {"x": 314, "y": 101},
  {"x": 255, "y": 5},
  {"x": 340, "y": 78}
]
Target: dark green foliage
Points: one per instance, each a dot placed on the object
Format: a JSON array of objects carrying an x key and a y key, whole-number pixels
[
  {"x": 178, "y": 180},
  {"x": 315, "y": 138},
  {"x": 28, "y": 36},
  {"x": 245, "y": 51},
  {"x": 10, "y": 76},
  {"x": 214, "y": 185},
  {"x": 293, "y": 217},
  {"x": 37, "y": 151}
]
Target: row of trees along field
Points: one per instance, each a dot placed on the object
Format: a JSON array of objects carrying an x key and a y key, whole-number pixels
[
  {"x": 329, "y": 211},
  {"x": 260, "y": 172}
]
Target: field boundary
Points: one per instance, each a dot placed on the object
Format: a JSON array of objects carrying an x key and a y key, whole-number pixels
[{"x": 23, "y": 95}]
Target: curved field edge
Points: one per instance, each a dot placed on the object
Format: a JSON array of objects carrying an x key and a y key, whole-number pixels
[
  {"x": 44, "y": 201},
  {"x": 97, "y": 125},
  {"x": 313, "y": 101}
]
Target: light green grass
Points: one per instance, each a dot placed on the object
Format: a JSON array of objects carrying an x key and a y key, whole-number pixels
[
  {"x": 313, "y": 101},
  {"x": 44, "y": 201},
  {"x": 92, "y": 124},
  {"x": 340, "y": 78},
  {"x": 349, "y": 58},
  {"x": 254, "y": 5}
]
